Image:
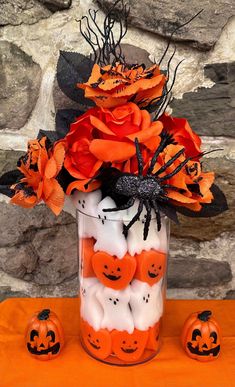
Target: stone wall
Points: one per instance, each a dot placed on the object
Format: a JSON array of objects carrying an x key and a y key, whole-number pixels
[{"x": 38, "y": 250}]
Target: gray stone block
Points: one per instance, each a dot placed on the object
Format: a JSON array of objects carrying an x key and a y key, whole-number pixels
[
  {"x": 37, "y": 246},
  {"x": 15, "y": 12},
  {"x": 163, "y": 16},
  {"x": 20, "y": 82},
  {"x": 188, "y": 272},
  {"x": 211, "y": 111},
  {"x": 230, "y": 295}
]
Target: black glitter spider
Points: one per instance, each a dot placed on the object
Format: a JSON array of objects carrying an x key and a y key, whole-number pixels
[{"x": 149, "y": 189}]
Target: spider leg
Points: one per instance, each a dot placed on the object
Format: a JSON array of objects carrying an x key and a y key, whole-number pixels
[
  {"x": 157, "y": 212},
  {"x": 139, "y": 157},
  {"x": 164, "y": 142},
  {"x": 148, "y": 219},
  {"x": 163, "y": 198},
  {"x": 134, "y": 219},
  {"x": 172, "y": 187},
  {"x": 130, "y": 203},
  {"x": 171, "y": 161},
  {"x": 177, "y": 169}
]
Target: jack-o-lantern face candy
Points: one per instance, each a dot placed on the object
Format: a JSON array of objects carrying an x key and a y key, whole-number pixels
[
  {"x": 87, "y": 245},
  {"x": 150, "y": 266},
  {"x": 201, "y": 336},
  {"x": 113, "y": 272},
  {"x": 98, "y": 342},
  {"x": 129, "y": 347},
  {"x": 153, "y": 338},
  {"x": 44, "y": 336}
]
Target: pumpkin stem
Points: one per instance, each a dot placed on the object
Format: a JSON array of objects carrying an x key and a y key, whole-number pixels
[
  {"x": 44, "y": 314},
  {"x": 205, "y": 316}
]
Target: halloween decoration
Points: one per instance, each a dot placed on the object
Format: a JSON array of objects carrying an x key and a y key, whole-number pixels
[
  {"x": 146, "y": 303},
  {"x": 149, "y": 189},
  {"x": 150, "y": 266},
  {"x": 106, "y": 227},
  {"x": 129, "y": 167},
  {"x": 129, "y": 347},
  {"x": 135, "y": 242},
  {"x": 116, "y": 307},
  {"x": 87, "y": 252},
  {"x": 44, "y": 335},
  {"x": 201, "y": 336},
  {"x": 98, "y": 342},
  {"x": 113, "y": 272},
  {"x": 154, "y": 337},
  {"x": 87, "y": 204},
  {"x": 91, "y": 310}
]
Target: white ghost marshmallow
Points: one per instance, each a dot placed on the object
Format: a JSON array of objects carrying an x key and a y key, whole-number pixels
[
  {"x": 109, "y": 230},
  {"x": 135, "y": 241},
  {"x": 91, "y": 310},
  {"x": 117, "y": 314},
  {"x": 87, "y": 203},
  {"x": 146, "y": 304},
  {"x": 163, "y": 237}
]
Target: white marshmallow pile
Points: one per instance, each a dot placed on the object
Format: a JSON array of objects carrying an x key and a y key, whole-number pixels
[{"x": 139, "y": 305}]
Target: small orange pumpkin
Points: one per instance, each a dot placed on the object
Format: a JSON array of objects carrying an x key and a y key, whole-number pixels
[
  {"x": 201, "y": 336},
  {"x": 113, "y": 272},
  {"x": 153, "y": 338},
  {"x": 87, "y": 251},
  {"x": 98, "y": 342},
  {"x": 44, "y": 335},
  {"x": 150, "y": 266},
  {"x": 129, "y": 347}
]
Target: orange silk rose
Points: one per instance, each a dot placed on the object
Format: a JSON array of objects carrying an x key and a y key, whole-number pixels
[
  {"x": 107, "y": 136},
  {"x": 183, "y": 134},
  {"x": 111, "y": 86},
  {"x": 40, "y": 167},
  {"x": 194, "y": 185}
]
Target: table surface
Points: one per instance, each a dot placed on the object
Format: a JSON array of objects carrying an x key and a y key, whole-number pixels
[{"x": 170, "y": 368}]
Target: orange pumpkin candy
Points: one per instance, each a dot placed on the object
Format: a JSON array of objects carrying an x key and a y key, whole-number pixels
[
  {"x": 87, "y": 246},
  {"x": 153, "y": 338},
  {"x": 129, "y": 347},
  {"x": 44, "y": 335},
  {"x": 113, "y": 272},
  {"x": 201, "y": 336},
  {"x": 150, "y": 266},
  {"x": 98, "y": 343}
]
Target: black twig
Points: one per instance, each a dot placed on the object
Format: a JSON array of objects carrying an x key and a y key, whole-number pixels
[
  {"x": 174, "y": 31},
  {"x": 106, "y": 48}
]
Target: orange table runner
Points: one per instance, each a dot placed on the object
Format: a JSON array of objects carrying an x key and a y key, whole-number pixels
[{"x": 74, "y": 368}]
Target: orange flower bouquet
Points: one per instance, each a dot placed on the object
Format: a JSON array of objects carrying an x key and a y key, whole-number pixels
[{"x": 129, "y": 167}]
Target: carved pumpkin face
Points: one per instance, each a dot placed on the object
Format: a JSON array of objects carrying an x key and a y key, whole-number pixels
[
  {"x": 153, "y": 338},
  {"x": 129, "y": 347},
  {"x": 113, "y": 272},
  {"x": 201, "y": 336},
  {"x": 44, "y": 336},
  {"x": 87, "y": 251},
  {"x": 150, "y": 266},
  {"x": 98, "y": 342}
]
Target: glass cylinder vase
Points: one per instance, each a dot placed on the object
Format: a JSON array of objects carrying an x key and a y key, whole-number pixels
[{"x": 122, "y": 281}]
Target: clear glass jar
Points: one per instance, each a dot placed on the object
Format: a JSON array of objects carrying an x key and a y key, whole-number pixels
[{"x": 122, "y": 281}]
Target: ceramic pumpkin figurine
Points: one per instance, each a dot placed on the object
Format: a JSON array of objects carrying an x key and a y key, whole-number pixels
[
  {"x": 97, "y": 342},
  {"x": 113, "y": 272},
  {"x": 201, "y": 336},
  {"x": 44, "y": 335}
]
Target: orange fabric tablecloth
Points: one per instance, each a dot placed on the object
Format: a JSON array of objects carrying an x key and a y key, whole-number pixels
[{"x": 171, "y": 368}]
